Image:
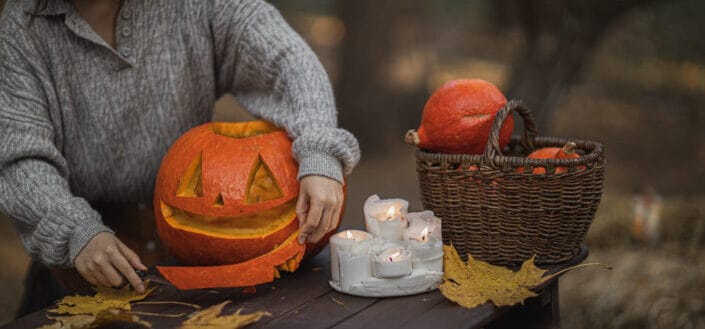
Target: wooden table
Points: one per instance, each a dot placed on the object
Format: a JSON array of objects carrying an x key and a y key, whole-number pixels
[{"x": 305, "y": 300}]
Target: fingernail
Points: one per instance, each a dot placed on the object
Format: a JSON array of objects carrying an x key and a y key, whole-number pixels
[{"x": 302, "y": 239}]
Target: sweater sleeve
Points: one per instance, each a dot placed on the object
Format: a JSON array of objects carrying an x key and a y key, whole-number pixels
[
  {"x": 53, "y": 224},
  {"x": 276, "y": 76}
]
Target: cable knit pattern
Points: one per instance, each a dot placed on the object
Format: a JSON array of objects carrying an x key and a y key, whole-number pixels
[{"x": 81, "y": 121}]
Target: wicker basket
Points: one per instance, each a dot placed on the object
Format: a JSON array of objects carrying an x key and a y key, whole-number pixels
[{"x": 503, "y": 216}]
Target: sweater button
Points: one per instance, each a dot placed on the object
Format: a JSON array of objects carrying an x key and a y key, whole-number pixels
[
  {"x": 125, "y": 52},
  {"x": 126, "y": 32},
  {"x": 126, "y": 14}
]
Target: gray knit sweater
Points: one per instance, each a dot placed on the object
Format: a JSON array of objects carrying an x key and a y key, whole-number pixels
[{"x": 82, "y": 122}]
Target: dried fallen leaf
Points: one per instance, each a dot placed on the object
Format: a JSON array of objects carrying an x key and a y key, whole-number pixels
[
  {"x": 86, "y": 321},
  {"x": 212, "y": 319},
  {"x": 478, "y": 282},
  {"x": 104, "y": 299}
]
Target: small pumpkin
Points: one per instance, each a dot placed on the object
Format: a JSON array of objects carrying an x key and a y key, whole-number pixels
[
  {"x": 226, "y": 194},
  {"x": 458, "y": 116},
  {"x": 565, "y": 152}
]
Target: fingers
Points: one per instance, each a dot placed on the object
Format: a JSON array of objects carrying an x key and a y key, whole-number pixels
[
  {"x": 302, "y": 207},
  {"x": 319, "y": 207},
  {"x": 335, "y": 219},
  {"x": 96, "y": 267},
  {"x": 131, "y": 256},
  {"x": 313, "y": 218},
  {"x": 86, "y": 274},
  {"x": 323, "y": 225},
  {"x": 106, "y": 261},
  {"x": 338, "y": 209},
  {"x": 121, "y": 263},
  {"x": 112, "y": 275}
]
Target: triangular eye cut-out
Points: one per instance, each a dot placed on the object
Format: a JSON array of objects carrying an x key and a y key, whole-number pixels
[
  {"x": 219, "y": 201},
  {"x": 261, "y": 186},
  {"x": 190, "y": 184}
]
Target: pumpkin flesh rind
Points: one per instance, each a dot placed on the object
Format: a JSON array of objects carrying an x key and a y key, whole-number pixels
[{"x": 262, "y": 269}]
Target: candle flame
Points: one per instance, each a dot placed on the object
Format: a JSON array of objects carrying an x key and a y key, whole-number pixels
[
  {"x": 424, "y": 234},
  {"x": 348, "y": 235},
  {"x": 390, "y": 213}
]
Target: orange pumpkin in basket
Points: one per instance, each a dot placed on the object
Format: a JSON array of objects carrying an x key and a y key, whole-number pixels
[
  {"x": 566, "y": 152},
  {"x": 226, "y": 193},
  {"x": 458, "y": 116}
]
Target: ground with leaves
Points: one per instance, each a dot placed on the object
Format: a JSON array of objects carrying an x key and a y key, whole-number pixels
[{"x": 650, "y": 287}]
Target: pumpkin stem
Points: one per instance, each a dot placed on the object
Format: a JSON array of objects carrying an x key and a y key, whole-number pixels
[
  {"x": 412, "y": 137},
  {"x": 569, "y": 148}
]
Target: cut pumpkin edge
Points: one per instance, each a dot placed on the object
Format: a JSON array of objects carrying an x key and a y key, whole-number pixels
[{"x": 248, "y": 273}]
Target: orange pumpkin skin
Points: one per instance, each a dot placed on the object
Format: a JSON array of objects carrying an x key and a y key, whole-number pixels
[
  {"x": 265, "y": 268},
  {"x": 566, "y": 152},
  {"x": 458, "y": 116},
  {"x": 226, "y": 167}
]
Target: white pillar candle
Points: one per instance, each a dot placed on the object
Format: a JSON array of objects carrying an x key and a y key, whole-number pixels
[
  {"x": 427, "y": 254},
  {"x": 353, "y": 269},
  {"x": 384, "y": 218},
  {"x": 420, "y": 222},
  {"x": 345, "y": 241},
  {"x": 423, "y": 238},
  {"x": 392, "y": 263}
]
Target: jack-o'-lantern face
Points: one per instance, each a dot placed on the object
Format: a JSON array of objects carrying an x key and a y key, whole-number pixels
[{"x": 226, "y": 193}]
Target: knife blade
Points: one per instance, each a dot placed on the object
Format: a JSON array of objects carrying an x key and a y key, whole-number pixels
[
  {"x": 158, "y": 280},
  {"x": 152, "y": 278}
]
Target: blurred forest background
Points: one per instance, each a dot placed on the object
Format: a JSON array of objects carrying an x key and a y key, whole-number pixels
[{"x": 628, "y": 73}]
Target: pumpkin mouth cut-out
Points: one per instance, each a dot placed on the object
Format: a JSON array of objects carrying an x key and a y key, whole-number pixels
[
  {"x": 243, "y": 129},
  {"x": 246, "y": 226}
]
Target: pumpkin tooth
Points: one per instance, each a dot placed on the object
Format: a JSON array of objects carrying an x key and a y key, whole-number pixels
[
  {"x": 276, "y": 273},
  {"x": 166, "y": 210},
  {"x": 292, "y": 264}
]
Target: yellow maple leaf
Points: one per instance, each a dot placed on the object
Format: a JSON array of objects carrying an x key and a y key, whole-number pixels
[
  {"x": 86, "y": 321},
  {"x": 478, "y": 282},
  {"x": 104, "y": 299},
  {"x": 211, "y": 318}
]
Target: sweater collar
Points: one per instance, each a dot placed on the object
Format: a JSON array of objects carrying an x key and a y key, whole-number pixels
[{"x": 53, "y": 7}]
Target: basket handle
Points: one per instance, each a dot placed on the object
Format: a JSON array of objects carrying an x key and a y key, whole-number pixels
[{"x": 492, "y": 149}]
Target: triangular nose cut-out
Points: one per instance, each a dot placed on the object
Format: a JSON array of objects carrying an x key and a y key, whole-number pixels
[
  {"x": 219, "y": 201},
  {"x": 261, "y": 186},
  {"x": 191, "y": 184}
]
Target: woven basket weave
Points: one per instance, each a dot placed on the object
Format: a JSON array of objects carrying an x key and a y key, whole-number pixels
[{"x": 505, "y": 217}]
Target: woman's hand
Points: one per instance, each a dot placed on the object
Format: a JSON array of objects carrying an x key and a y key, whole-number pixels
[
  {"x": 319, "y": 206},
  {"x": 106, "y": 261}
]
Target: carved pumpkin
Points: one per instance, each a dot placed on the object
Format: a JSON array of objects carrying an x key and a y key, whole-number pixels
[
  {"x": 458, "y": 116},
  {"x": 225, "y": 198}
]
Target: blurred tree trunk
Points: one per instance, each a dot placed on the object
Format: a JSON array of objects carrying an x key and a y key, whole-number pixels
[
  {"x": 561, "y": 37},
  {"x": 384, "y": 69}
]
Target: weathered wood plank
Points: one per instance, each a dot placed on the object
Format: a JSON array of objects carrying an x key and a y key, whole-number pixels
[
  {"x": 390, "y": 312},
  {"x": 447, "y": 314},
  {"x": 322, "y": 312}
]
